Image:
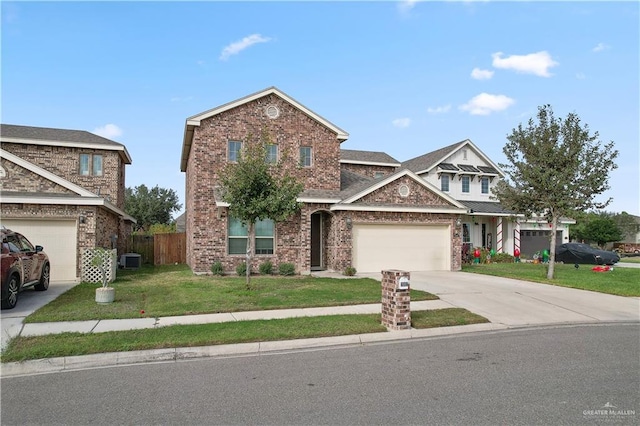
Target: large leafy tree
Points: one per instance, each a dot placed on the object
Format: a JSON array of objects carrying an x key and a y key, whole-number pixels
[
  {"x": 602, "y": 230},
  {"x": 555, "y": 168},
  {"x": 151, "y": 206},
  {"x": 599, "y": 227},
  {"x": 257, "y": 189}
]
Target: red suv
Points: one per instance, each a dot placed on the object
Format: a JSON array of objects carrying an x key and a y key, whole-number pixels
[{"x": 23, "y": 266}]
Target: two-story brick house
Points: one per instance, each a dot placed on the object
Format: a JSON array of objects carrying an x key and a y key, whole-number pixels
[
  {"x": 359, "y": 208},
  {"x": 64, "y": 189}
]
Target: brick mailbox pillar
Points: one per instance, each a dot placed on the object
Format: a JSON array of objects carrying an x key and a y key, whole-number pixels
[{"x": 396, "y": 300}]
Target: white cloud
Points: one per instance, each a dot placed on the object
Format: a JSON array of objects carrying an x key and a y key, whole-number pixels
[
  {"x": 401, "y": 122},
  {"x": 581, "y": 76},
  {"x": 600, "y": 47},
  {"x": 479, "y": 74},
  {"x": 533, "y": 63},
  {"x": 485, "y": 104},
  {"x": 108, "y": 131},
  {"x": 439, "y": 110},
  {"x": 238, "y": 46},
  {"x": 405, "y": 6}
]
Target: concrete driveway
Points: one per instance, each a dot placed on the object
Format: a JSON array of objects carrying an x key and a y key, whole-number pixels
[
  {"x": 520, "y": 303},
  {"x": 28, "y": 302}
]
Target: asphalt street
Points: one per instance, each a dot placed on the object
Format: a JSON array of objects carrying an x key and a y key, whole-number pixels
[{"x": 571, "y": 374}]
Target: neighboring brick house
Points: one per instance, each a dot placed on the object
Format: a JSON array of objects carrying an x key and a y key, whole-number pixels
[
  {"x": 64, "y": 189},
  {"x": 467, "y": 174},
  {"x": 359, "y": 208}
]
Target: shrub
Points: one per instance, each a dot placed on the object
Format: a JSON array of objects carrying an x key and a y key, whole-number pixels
[
  {"x": 266, "y": 268},
  {"x": 241, "y": 269},
  {"x": 349, "y": 271},
  {"x": 286, "y": 269},
  {"x": 217, "y": 268},
  {"x": 502, "y": 258}
]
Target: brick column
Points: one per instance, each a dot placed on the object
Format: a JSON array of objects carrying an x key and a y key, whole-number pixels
[{"x": 396, "y": 300}]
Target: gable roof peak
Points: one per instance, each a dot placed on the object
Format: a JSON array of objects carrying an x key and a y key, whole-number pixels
[{"x": 194, "y": 121}]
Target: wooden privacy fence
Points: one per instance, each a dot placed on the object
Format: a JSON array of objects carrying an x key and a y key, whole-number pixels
[{"x": 161, "y": 249}]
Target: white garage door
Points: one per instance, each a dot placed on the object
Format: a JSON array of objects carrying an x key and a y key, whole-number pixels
[
  {"x": 404, "y": 247},
  {"x": 59, "y": 239}
]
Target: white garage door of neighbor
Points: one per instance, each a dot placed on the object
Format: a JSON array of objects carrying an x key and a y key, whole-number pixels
[
  {"x": 59, "y": 239},
  {"x": 404, "y": 247}
]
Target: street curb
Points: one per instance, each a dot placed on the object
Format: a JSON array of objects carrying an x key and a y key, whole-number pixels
[{"x": 112, "y": 359}]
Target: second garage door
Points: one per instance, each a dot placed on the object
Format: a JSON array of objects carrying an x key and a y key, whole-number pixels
[
  {"x": 59, "y": 239},
  {"x": 404, "y": 247}
]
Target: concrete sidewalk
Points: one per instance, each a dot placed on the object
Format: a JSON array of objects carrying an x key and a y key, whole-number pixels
[
  {"x": 506, "y": 303},
  {"x": 98, "y": 326}
]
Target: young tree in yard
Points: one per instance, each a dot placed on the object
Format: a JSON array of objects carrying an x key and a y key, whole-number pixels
[
  {"x": 556, "y": 167},
  {"x": 151, "y": 206},
  {"x": 257, "y": 189}
]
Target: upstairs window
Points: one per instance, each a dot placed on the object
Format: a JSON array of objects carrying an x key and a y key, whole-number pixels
[
  {"x": 485, "y": 185},
  {"x": 305, "y": 156},
  {"x": 465, "y": 184},
  {"x": 234, "y": 151},
  {"x": 272, "y": 154},
  {"x": 90, "y": 165},
  {"x": 444, "y": 183}
]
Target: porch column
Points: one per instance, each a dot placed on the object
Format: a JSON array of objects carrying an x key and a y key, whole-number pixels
[
  {"x": 516, "y": 238},
  {"x": 499, "y": 236}
]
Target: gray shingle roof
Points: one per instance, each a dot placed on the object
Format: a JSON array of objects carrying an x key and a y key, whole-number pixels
[
  {"x": 486, "y": 207},
  {"x": 50, "y": 134},
  {"x": 429, "y": 159},
  {"x": 367, "y": 156},
  {"x": 60, "y": 137}
]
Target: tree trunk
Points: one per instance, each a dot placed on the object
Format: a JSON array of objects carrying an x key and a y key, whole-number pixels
[
  {"x": 250, "y": 231},
  {"x": 552, "y": 249}
]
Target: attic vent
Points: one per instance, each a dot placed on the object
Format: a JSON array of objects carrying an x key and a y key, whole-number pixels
[
  {"x": 272, "y": 111},
  {"x": 403, "y": 190}
]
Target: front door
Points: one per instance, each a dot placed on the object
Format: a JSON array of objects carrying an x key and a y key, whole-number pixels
[{"x": 316, "y": 242}]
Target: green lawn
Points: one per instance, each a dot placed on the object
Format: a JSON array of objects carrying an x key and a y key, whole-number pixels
[
  {"x": 174, "y": 290},
  {"x": 70, "y": 344},
  {"x": 620, "y": 281}
]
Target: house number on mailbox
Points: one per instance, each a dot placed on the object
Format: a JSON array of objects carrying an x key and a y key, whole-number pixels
[{"x": 403, "y": 283}]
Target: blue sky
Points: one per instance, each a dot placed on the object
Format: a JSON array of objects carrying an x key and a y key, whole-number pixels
[{"x": 405, "y": 78}]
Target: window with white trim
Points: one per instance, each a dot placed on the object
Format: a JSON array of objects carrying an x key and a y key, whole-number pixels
[
  {"x": 233, "y": 153},
  {"x": 485, "y": 185},
  {"x": 272, "y": 154},
  {"x": 90, "y": 165},
  {"x": 305, "y": 156},
  {"x": 444, "y": 183},
  {"x": 264, "y": 237},
  {"x": 237, "y": 237},
  {"x": 465, "y": 184}
]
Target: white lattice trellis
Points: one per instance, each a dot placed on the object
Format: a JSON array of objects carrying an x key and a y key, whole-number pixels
[{"x": 91, "y": 273}]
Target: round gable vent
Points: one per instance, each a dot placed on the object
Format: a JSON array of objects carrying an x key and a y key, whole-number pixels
[
  {"x": 403, "y": 190},
  {"x": 272, "y": 111}
]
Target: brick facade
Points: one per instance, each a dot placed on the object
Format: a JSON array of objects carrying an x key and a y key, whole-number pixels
[
  {"x": 65, "y": 162},
  {"x": 98, "y": 224},
  {"x": 207, "y": 222},
  {"x": 368, "y": 170}
]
